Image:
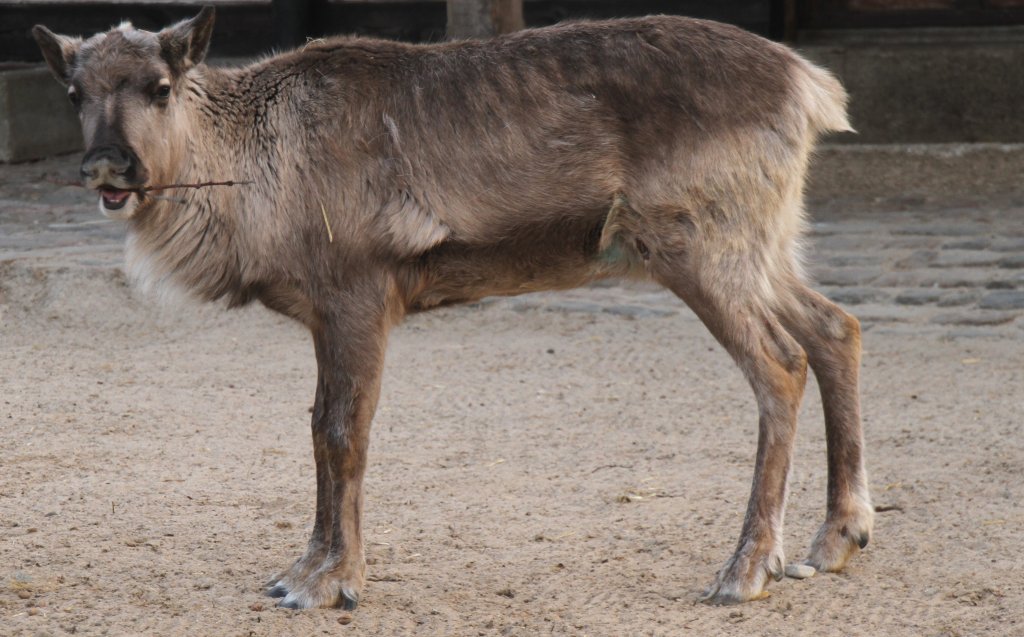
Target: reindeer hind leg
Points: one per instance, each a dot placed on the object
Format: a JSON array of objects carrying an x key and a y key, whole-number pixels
[
  {"x": 735, "y": 308},
  {"x": 832, "y": 340}
]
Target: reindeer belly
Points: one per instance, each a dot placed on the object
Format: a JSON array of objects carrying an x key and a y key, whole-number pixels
[{"x": 551, "y": 257}]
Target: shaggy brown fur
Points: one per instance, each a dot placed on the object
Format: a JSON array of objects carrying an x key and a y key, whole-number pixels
[{"x": 391, "y": 178}]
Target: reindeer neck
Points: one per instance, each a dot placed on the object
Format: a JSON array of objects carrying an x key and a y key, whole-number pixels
[
  {"x": 191, "y": 237},
  {"x": 218, "y": 142}
]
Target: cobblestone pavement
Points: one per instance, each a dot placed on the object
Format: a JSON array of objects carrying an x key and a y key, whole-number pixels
[{"x": 957, "y": 271}]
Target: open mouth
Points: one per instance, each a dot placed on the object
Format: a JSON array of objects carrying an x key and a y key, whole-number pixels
[
  {"x": 119, "y": 203},
  {"x": 114, "y": 198}
]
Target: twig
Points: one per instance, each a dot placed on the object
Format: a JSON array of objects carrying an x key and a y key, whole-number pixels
[
  {"x": 171, "y": 199},
  {"x": 62, "y": 182},
  {"x": 384, "y": 578},
  {"x": 310, "y": 41},
  {"x": 612, "y": 466},
  {"x": 330, "y": 235},
  {"x": 882, "y": 508},
  {"x": 197, "y": 186},
  {"x": 205, "y": 184}
]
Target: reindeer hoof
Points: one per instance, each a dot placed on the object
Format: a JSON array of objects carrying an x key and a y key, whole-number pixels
[
  {"x": 322, "y": 591},
  {"x": 862, "y": 541},
  {"x": 718, "y": 597},
  {"x": 744, "y": 577},
  {"x": 277, "y": 590},
  {"x": 838, "y": 540},
  {"x": 349, "y": 599}
]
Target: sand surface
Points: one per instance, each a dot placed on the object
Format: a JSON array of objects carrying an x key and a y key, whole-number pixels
[
  {"x": 564, "y": 464},
  {"x": 538, "y": 466}
]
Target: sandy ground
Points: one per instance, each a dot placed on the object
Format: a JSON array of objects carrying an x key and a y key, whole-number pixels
[
  {"x": 572, "y": 464},
  {"x": 535, "y": 469}
]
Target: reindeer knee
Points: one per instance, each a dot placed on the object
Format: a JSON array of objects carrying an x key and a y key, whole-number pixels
[
  {"x": 851, "y": 327},
  {"x": 786, "y": 351},
  {"x": 796, "y": 368},
  {"x": 786, "y": 364},
  {"x": 842, "y": 330},
  {"x": 834, "y": 323},
  {"x": 798, "y": 364}
]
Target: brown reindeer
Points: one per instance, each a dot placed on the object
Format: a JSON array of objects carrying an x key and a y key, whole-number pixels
[{"x": 387, "y": 178}]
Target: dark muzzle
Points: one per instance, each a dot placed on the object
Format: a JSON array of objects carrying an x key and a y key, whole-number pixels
[{"x": 112, "y": 166}]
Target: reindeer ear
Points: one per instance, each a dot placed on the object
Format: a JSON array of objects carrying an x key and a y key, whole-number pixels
[
  {"x": 58, "y": 50},
  {"x": 184, "y": 45}
]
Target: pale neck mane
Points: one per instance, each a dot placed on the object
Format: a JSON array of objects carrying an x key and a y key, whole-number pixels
[{"x": 192, "y": 238}]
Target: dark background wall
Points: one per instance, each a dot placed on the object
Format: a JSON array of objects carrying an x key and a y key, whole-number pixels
[
  {"x": 250, "y": 28},
  {"x": 254, "y": 27}
]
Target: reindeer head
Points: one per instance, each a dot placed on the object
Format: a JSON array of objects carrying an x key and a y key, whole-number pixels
[{"x": 127, "y": 85}]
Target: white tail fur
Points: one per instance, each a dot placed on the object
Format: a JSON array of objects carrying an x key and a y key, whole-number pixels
[{"x": 823, "y": 97}]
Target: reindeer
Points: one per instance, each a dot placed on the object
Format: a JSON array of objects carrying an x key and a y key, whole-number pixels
[{"x": 383, "y": 179}]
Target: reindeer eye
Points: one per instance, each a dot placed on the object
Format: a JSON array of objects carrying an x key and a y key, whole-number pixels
[
  {"x": 74, "y": 97},
  {"x": 162, "y": 91}
]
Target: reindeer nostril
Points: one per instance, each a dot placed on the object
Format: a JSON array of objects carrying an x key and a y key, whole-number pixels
[{"x": 110, "y": 164}]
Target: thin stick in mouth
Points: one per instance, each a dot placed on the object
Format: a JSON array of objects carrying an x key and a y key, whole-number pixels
[
  {"x": 204, "y": 184},
  {"x": 166, "y": 198}
]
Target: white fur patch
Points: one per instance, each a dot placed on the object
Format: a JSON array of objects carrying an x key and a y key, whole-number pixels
[
  {"x": 822, "y": 98},
  {"x": 145, "y": 275},
  {"x": 411, "y": 227}
]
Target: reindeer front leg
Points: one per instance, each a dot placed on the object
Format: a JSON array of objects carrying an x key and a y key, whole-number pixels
[{"x": 350, "y": 355}]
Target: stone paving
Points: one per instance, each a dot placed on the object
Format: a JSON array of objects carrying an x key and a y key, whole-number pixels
[{"x": 956, "y": 272}]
